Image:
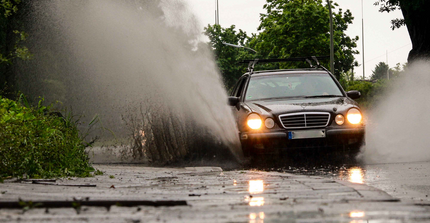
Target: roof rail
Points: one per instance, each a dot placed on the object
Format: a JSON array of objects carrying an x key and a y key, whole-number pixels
[{"x": 252, "y": 63}]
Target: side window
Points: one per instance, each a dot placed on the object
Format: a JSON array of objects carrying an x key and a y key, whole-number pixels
[
  {"x": 234, "y": 90},
  {"x": 241, "y": 87},
  {"x": 237, "y": 90}
]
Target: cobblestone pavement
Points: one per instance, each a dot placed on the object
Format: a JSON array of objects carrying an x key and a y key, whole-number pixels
[{"x": 202, "y": 194}]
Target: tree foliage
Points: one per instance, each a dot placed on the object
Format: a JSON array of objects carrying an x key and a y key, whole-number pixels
[
  {"x": 12, "y": 37},
  {"x": 383, "y": 71},
  {"x": 289, "y": 28},
  {"x": 296, "y": 28},
  {"x": 380, "y": 71},
  {"x": 228, "y": 57}
]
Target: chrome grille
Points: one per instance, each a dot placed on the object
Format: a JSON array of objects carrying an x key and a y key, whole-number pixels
[{"x": 305, "y": 120}]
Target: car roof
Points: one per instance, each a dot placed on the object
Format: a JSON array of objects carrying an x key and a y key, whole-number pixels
[{"x": 286, "y": 71}]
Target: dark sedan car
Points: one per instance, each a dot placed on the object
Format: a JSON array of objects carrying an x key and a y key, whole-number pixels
[{"x": 304, "y": 108}]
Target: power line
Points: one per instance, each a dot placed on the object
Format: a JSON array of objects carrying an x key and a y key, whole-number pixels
[{"x": 388, "y": 52}]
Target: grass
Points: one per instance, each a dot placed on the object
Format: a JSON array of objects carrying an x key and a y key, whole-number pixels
[{"x": 34, "y": 143}]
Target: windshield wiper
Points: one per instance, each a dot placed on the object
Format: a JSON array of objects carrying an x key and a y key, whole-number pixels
[{"x": 324, "y": 96}]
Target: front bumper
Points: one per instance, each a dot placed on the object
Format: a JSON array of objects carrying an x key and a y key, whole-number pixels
[{"x": 269, "y": 141}]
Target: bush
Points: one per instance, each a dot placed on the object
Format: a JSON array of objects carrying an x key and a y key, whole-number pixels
[
  {"x": 36, "y": 144},
  {"x": 371, "y": 92}
]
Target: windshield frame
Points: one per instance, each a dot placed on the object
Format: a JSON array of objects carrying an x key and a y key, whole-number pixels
[{"x": 294, "y": 74}]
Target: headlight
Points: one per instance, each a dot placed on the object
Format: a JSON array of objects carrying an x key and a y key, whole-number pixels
[
  {"x": 254, "y": 121},
  {"x": 354, "y": 116},
  {"x": 339, "y": 119},
  {"x": 269, "y": 123}
]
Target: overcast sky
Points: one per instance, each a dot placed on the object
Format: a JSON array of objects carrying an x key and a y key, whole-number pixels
[{"x": 380, "y": 40}]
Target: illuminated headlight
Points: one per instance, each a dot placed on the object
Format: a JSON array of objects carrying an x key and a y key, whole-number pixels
[
  {"x": 354, "y": 116},
  {"x": 339, "y": 119},
  {"x": 254, "y": 121},
  {"x": 269, "y": 123}
]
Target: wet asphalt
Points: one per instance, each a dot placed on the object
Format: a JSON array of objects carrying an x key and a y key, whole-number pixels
[{"x": 281, "y": 193}]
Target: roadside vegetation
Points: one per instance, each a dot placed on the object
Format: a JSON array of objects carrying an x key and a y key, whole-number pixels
[{"x": 37, "y": 143}]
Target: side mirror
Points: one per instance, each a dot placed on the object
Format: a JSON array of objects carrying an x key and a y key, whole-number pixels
[
  {"x": 232, "y": 101},
  {"x": 353, "y": 94}
]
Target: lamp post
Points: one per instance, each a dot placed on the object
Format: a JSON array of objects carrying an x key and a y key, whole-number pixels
[
  {"x": 216, "y": 13},
  {"x": 331, "y": 39},
  {"x": 238, "y": 46},
  {"x": 362, "y": 37}
]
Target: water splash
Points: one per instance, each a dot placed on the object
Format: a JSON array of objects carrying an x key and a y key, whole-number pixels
[
  {"x": 398, "y": 128},
  {"x": 138, "y": 66}
]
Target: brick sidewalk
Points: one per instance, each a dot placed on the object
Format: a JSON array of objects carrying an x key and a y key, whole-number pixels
[{"x": 204, "y": 194}]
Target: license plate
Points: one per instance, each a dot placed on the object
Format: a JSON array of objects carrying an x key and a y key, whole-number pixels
[{"x": 306, "y": 134}]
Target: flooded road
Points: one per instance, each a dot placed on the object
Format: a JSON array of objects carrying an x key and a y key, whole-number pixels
[
  {"x": 409, "y": 181},
  {"x": 136, "y": 193}
]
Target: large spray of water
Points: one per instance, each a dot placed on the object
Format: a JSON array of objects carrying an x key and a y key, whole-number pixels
[
  {"x": 399, "y": 126},
  {"x": 137, "y": 65}
]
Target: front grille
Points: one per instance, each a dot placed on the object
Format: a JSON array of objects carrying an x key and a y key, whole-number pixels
[{"x": 305, "y": 120}]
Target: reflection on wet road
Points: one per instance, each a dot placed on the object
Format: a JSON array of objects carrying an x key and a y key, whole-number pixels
[
  {"x": 356, "y": 214},
  {"x": 256, "y": 217},
  {"x": 410, "y": 181},
  {"x": 353, "y": 175},
  {"x": 255, "y": 187}
]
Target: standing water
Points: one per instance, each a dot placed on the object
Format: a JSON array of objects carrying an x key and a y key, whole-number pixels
[{"x": 138, "y": 66}]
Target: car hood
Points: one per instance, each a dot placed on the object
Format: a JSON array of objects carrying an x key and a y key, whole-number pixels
[{"x": 282, "y": 106}]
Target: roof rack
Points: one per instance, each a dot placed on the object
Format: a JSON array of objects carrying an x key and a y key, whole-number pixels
[{"x": 252, "y": 63}]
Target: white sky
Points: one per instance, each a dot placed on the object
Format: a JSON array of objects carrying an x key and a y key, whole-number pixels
[{"x": 380, "y": 40}]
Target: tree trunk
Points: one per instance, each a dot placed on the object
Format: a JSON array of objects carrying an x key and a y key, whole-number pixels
[{"x": 417, "y": 21}]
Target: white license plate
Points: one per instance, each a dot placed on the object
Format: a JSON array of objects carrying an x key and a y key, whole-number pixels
[{"x": 306, "y": 134}]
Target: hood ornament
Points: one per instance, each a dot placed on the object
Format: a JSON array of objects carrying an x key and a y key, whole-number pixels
[{"x": 303, "y": 106}]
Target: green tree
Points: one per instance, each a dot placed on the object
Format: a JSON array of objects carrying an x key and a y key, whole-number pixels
[
  {"x": 296, "y": 28},
  {"x": 228, "y": 57},
  {"x": 398, "y": 70},
  {"x": 416, "y": 19},
  {"x": 12, "y": 36},
  {"x": 382, "y": 68},
  {"x": 380, "y": 71}
]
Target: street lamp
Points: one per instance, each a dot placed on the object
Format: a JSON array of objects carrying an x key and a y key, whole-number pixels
[
  {"x": 238, "y": 46},
  {"x": 216, "y": 13},
  {"x": 331, "y": 39},
  {"x": 362, "y": 36}
]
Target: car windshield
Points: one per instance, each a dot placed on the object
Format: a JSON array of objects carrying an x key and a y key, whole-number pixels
[{"x": 292, "y": 85}]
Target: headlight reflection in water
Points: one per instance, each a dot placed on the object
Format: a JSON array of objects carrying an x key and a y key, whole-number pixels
[
  {"x": 353, "y": 175},
  {"x": 255, "y": 187},
  {"x": 256, "y": 217},
  {"x": 356, "y": 175}
]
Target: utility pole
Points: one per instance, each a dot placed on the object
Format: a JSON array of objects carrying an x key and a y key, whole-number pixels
[
  {"x": 331, "y": 40},
  {"x": 362, "y": 37},
  {"x": 388, "y": 70},
  {"x": 216, "y": 13}
]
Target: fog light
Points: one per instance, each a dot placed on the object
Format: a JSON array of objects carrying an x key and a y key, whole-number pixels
[
  {"x": 269, "y": 123},
  {"x": 340, "y": 120}
]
